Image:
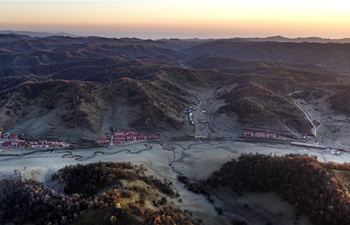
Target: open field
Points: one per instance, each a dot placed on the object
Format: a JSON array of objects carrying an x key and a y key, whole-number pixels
[{"x": 196, "y": 160}]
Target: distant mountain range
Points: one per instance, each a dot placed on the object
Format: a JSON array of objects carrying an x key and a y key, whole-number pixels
[
  {"x": 301, "y": 39},
  {"x": 330, "y": 56},
  {"x": 277, "y": 38},
  {"x": 36, "y": 34}
]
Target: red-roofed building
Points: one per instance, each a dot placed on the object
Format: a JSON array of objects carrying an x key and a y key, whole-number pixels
[
  {"x": 124, "y": 132},
  {"x": 259, "y": 134},
  {"x": 21, "y": 143},
  {"x": 119, "y": 138},
  {"x": 248, "y": 133},
  {"x": 119, "y": 133},
  {"x": 102, "y": 140},
  {"x": 272, "y": 135},
  {"x": 152, "y": 136},
  {"x": 142, "y": 137},
  {"x": 131, "y": 137},
  {"x": 13, "y": 136},
  {"x": 6, "y": 144}
]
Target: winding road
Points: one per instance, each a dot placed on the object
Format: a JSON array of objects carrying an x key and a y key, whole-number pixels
[{"x": 314, "y": 128}]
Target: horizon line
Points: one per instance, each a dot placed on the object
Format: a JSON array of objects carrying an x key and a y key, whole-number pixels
[{"x": 63, "y": 33}]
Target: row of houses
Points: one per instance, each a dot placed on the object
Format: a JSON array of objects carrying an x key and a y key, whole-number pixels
[
  {"x": 120, "y": 136},
  {"x": 124, "y": 132},
  {"x": 47, "y": 144},
  {"x": 259, "y": 134},
  {"x": 18, "y": 143},
  {"x": 12, "y": 143}
]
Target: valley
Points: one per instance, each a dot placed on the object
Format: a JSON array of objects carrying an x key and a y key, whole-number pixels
[
  {"x": 204, "y": 101},
  {"x": 166, "y": 160}
]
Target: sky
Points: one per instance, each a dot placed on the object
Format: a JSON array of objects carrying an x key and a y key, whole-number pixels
[{"x": 180, "y": 18}]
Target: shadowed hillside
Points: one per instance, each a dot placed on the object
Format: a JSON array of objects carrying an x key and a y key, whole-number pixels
[
  {"x": 73, "y": 109},
  {"x": 331, "y": 56}
]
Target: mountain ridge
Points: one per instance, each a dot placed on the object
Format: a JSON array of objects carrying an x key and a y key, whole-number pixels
[{"x": 77, "y": 88}]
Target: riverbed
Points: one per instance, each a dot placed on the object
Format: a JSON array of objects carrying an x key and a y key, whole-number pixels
[{"x": 194, "y": 159}]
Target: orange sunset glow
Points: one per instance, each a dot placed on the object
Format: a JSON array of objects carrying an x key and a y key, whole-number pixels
[{"x": 184, "y": 19}]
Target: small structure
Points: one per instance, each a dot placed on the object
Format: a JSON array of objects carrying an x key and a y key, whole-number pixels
[
  {"x": 6, "y": 144},
  {"x": 142, "y": 137},
  {"x": 152, "y": 136},
  {"x": 198, "y": 97},
  {"x": 196, "y": 102},
  {"x": 131, "y": 137},
  {"x": 259, "y": 134},
  {"x": 190, "y": 117},
  {"x": 306, "y": 138},
  {"x": 248, "y": 133},
  {"x": 13, "y": 136},
  {"x": 271, "y": 135},
  {"x": 102, "y": 140},
  {"x": 316, "y": 122},
  {"x": 6, "y": 135}
]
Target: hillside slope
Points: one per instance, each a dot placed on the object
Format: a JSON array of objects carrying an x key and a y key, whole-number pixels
[
  {"x": 331, "y": 56},
  {"x": 72, "y": 110}
]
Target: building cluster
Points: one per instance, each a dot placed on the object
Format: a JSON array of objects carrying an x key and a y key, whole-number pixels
[
  {"x": 259, "y": 134},
  {"x": 120, "y": 136},
  {"x": 8, "y": 140}
]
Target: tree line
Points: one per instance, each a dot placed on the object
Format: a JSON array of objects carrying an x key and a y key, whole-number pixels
[
  {"x": 28, "y": 201},
  {"x": 299, "y": 179},
  {"x": 89, "y": 178}
]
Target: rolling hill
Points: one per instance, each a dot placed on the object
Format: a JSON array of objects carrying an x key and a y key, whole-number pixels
[
  {"x": 332, "y": 56},
  {"x": 77, "y": 88}
]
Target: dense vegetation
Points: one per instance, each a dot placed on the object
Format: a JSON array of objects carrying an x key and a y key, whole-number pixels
[
  {"x": 310, "y": 185},
  {"x": 95, "y": 194},
  {"x": 88, "y": 179},
  {"x": 29, "y": 201}
]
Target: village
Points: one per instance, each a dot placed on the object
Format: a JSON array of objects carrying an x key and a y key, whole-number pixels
[
  {"x": 8, "y": 140},
  {"x": 121, "y": 136}
]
